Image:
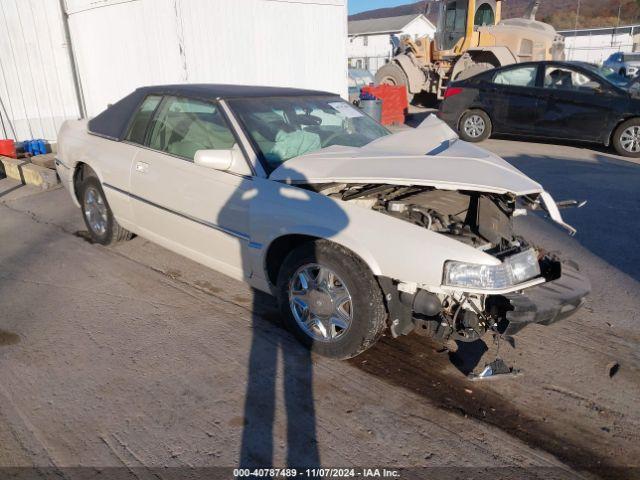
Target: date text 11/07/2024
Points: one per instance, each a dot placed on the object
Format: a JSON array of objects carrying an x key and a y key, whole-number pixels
[{"x": 316, "y": 473}]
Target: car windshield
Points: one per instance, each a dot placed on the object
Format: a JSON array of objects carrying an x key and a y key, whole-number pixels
[
  {"x": 631, "y": 57},
  {"x": 285, "y": 127}
]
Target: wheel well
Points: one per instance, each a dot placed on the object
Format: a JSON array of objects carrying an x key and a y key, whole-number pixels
[
  {"x": 485, "y": 57},
  {"x": 282, "y": 246},
  {"x": 81, "y": 171},
  {"x": 615, "y": 127},
  {"x": 279, "y": 249}
]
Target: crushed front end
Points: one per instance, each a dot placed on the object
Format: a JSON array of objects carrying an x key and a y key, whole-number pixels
[{"x": 527, "y": 285}]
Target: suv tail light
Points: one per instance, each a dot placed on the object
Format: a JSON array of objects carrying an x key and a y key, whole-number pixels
[{"x": 451, "y": 91}]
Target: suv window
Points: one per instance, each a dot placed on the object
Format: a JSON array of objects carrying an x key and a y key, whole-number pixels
[
  {"x": 184, "y": 126},
  {"x": 141, "y": 119},
  {"x": 560, "y": 78},
  {"x": 520, "y": 77}
]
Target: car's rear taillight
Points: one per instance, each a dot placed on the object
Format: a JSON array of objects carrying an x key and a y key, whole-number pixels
[{"x": 451, "y": 91}]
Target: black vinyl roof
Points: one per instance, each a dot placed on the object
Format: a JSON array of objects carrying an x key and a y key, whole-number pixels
[{"x": 113, "y": 122}]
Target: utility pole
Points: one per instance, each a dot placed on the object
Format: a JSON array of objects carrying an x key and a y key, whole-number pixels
[
  {"x": 427, "y": 7},
  {"x": 615, "y": 30}
]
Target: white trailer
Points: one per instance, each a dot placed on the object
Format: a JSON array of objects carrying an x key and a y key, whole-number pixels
[{"x": 67, "y": 58}]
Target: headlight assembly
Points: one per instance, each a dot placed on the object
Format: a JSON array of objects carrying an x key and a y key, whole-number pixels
[{"x": 514, "y": 270}]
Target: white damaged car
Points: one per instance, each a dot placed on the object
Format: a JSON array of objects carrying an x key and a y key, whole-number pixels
[{"x": 355, "y": 230}]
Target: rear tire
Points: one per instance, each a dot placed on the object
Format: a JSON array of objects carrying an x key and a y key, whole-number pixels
[
  {"x": 626, "y": 138},
  {"x": 393, "y": 74},
  {"x": 316, "y": 314},
  {"x": 475, "y": 126},
  {"x": 98, "y": 217}
]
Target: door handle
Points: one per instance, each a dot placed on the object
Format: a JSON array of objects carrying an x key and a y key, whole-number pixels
[{"x": 142, "y": 167}]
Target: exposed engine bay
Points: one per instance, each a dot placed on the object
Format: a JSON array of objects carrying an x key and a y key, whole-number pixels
[
  {"x": 480, "y": 220},
  {"x": 483, "y": 221}
]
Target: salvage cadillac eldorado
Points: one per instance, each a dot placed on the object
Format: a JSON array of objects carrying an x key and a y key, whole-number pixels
[{"x": 355, "y": 230}]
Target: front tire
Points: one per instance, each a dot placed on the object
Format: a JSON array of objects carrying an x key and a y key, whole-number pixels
[
  {"x": 626, "y": 138},
  {"x": 98, "y": 217},
  {"x": 475, "y": 126},
  {"x": 330, "y": 300}
]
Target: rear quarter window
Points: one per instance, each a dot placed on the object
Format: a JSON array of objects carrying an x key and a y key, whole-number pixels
[
  {"x": 520, "y": 77},
  {"x": 141, "y": 118}
]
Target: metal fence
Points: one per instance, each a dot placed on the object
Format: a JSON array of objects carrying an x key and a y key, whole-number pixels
[{"x": 597, "y": 44}]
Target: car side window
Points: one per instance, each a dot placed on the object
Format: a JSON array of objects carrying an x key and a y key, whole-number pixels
[
  {"x": 561, "y": 78},
  {"x": 520, "y": 77},
  {"x": 183, "y": 126},
  {"x": 138, "y": 126}
]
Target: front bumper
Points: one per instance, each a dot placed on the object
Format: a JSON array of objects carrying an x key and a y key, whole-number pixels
[{"x": 547, "y": 303}]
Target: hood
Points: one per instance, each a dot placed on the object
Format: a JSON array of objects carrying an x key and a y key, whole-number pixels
[{"x": 430, "y": 155}]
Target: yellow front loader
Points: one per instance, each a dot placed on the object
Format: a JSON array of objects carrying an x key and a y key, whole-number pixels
[{"x": 470, "y": 38}]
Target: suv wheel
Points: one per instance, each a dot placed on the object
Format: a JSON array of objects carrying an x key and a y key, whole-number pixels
[
  {"x": 330, "y": 300},
  {"x": 98, "y": 217},
  {"x": 475, "y": 126},
  {"x": 626, "y": 138}
]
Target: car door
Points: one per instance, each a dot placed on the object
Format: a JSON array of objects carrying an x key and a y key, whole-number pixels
[
  {"x": 513, "y": 99},
  {"x": 574, "y": 104},
  {"x": 197, "y": 211},
  {"x": 114, "y": 160}
]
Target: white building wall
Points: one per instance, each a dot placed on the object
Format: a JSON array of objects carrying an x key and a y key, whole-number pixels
[
  {"x": 370, "y": 52},
  {"x": 120, "y": 45},
  {"x": 376, "y": 45},
  {"x": 419, "y": 27},
  {"x": 36, "y": 84},
  {"x": 297, "y": 44},
  {"x": 595, "y": 46},
  {"x": 127, "y": 44}
]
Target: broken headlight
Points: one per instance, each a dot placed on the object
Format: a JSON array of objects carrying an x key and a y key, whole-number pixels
[{"x": 514, "y": 270}]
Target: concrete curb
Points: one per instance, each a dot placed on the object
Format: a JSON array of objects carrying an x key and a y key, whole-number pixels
[
  {"x": 47, "y": 160},
  {"x": 30, "y": 174}
]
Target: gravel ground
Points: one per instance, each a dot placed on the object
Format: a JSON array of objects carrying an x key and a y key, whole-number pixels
[{"x": 133, "y": 356}]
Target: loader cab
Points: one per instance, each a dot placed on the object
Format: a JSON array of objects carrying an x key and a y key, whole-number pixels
[
  {"x": 485, "y": 15},
  {"x": 457, "y": 20}
]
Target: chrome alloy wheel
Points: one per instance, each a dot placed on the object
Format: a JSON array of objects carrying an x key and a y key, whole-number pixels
[
  {"x": 630, "y": 139},
  {"x": 95, "y": 210},
  {"x": 320, "y": 302},
  {"x": 474, "y": 126}
]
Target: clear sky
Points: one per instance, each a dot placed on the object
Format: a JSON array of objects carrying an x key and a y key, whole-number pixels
[{"x": 356, "y": 6}]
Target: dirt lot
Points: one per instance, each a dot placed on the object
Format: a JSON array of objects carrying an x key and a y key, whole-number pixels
[{"x": 133, "y": 356}]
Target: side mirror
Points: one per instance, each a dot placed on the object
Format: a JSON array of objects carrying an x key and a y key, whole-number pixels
[{"x": 216, "y": 159}]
